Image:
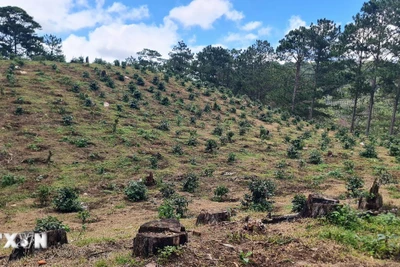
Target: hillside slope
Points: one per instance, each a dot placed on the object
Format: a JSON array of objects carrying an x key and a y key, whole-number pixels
[{"x": 102, "y": 130}]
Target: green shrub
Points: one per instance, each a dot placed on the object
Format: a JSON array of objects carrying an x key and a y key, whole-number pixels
[
  {"x": 292, "y": 152},
  {"x": 299, "y": 202},
  {"x": 298, "y": 143},
  {"x": 220, "y": 193},
  {"x": 394, "y": 150},
  {"x": 43, "y": 195},
  {"x": 209, "y": 172},
  {"x": 348, "y": 165},
  {"x": 190, "y": 183},
  {"x": 94, "y": 86},
  {"x": 231, "y": 157},
  {"x": 9, "y": 179},
  {"x": 229, "y": 136},
  {"x": 140, "y": 81},
  {"x": 50, "y": 223},
  {"x": 211, "y": 145},
  {"x": 218, "y": 131},
  {"x": 315, "y": 157},
  {"x": 153, "y": 162},
  {"x": 177, "y": 149},
  {"x": 136, "y": 191},
  {"x": 167, "y": 190},
  {"x": 261, "y": 193},
  {"x": 19, "y": 111},
  {"x": 66, "y": 200},
  {"x": 345, "y": 217},
  {"x": 369, "y": 151},
  {"x": 67, "y": 120},
  {"x": 354, "y": 185},
  {"x": 165, "y": 101},
  {"x": 263, "y": 133},
  {"x": 164, "y": 125}
]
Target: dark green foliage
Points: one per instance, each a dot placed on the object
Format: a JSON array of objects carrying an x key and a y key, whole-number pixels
[
  {"x": 94, "y": 86},
  {"x": 19, "y": 111},
  {"x": 155, "y": 80},
  {"x": 136, "y": 191},
  {"x": 211, "y": 145},
  {"x": 216, "y": 106},
  {"x": 394, "y": 150},
  {"x": 209, "y": 172},
  {"x": 177, "y": 150},
  {"x": 67, "y": 120},
  {"x": 66, "y": 200},
  {"x": 9, "y": 179},
  {"x": 229, "y": 136},
  {"x": 218, "y": 130},
  {"x": 125, "y": 98},
  {"x": 207, "y": 108},
  {"x": 369, "y": 151},
  {"x": 192, "y": 141},
  {"x": 121, "y": 78},
  {"x": 192, "y": 96},
  {"x": 231, "y": 157},
  {"x": 220, "y": 193},
  {"x": 174, "y": 207},
  {"x": 190, "y": 183},
  {"x": 153, "y": 162},
  {"x": 263, "y": 133},
  {"x": 165, "y": 101},
  {"x": 292, "y": 152},
  {"x": 131, "y": 86},
  {"x": 140, "y": 81},
  {"x": 116, "y": 63},
  {"x": 315, "y": 157},
  {"x": 88, "y": 102},
  {"x": 348, "y": 165},
  {"x": 161, "y": 86},
  {"x": 345, "y": 217},
  {"x": 167, "y": 190},
  {"x": 261, "y": 193},
  {"x": 134, "y": 104},
  {"x": 50, "y": 223},
  {"x": 354, "y": 186},
  {"x": 164, "y": 125},
  {"x": 43, "y": 195},
  {"x": 298, "y": 143},
  {"x": 299, "y": 202},
  {"x": 137, "y": 94}
]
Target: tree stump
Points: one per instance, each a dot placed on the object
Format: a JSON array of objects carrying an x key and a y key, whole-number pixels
[
  {"x": 158, "y": 234},
  {"x": 149, "y": 180},
  {"x": 374, "y": 200},
  {"x": 26, "y": 243},
  {"x": 318, "y": 205},
  {"x": 206, "y": 217}
]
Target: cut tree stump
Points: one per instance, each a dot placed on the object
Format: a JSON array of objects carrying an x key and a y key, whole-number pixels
[
  {"x": 206, "y": 217},
  {"x": 149, "y": 180},
  {"x": 26, "y": 243},
  {"x": 374, "y": 201},
  {"x": 158, "y": 234},
  {"x": 318, "y": 205}
]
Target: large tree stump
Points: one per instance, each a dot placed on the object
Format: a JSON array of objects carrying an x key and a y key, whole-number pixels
[
  {"x": 156, "y": 235},
  {"x": 318, "y": 205},
  {"x": 283, "y": 218},
  {"x": 26, "y": 243},
  {"x": 374, "y": 200},
  {"x": 206, "y": 217}
]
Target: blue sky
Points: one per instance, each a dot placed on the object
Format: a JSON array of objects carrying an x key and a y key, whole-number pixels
[{"x": 117, "y": 29}]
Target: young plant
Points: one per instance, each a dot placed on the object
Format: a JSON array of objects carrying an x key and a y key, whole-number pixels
[
  {"x": 136, "y": 191},
  {"x": 66, "y": 200}
]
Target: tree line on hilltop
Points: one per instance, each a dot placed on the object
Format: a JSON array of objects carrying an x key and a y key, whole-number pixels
[{"x": 309, "y": 64}]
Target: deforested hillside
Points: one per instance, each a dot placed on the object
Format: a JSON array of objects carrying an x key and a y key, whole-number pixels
[{"x": 79, "y": 142}]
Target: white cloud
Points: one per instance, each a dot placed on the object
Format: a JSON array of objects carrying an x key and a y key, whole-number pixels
[
  {"x": 71, "y": 15},
  {"x": 264, "y": 31},
  {"x": 252, "y": 25},
  {"x": 119, "y": 41},
  {"x": 204, "y": 13},
  {"x": 295, "y": 22},
  {"x": 238, "y": 37}
]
